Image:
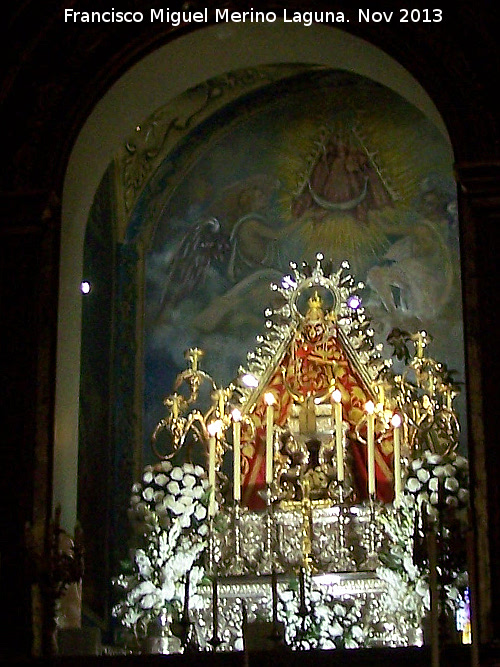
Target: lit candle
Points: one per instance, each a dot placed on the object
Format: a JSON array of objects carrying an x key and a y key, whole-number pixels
[
  {"x": 337, "y": 406},
  {"x": 213, "y": 430},
  {"x": 396, "y": 423},
  {"x": 370, "y": 440},
  {"x": 237, "y": 454},
  {"x": 269, "y": 399}
]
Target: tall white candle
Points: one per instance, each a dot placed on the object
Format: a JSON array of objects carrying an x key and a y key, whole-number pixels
[
  {"x": 337, "y": 407},
  {"x": 213, "y": 430},
  {"x": 211, "y": 474},
  {"x": 396, "y": 423},
  {"x": 370, "y": 440},
  {"x": 269, "y": 399},
  {"x": 237, "y": 455}
]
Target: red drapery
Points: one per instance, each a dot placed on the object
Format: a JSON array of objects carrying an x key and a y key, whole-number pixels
[{"x": 309, "y": 369}]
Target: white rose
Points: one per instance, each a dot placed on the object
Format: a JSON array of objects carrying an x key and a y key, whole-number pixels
[
  {"x": 451, "y": 484},
  {"x": 177, "y": 474},
  {"x": 463, "y": 495},
  {"x": 416, "y": 464},
  {"x": 177, "y": 508},
  {"x": 199, "y": 471},
  {"x": 166, "y": 466},
  {"x": 439, "y": 471},
  {"x": 147, "y": 477},
  {"x": 135, "y": 499},
  {"x": 433, "y": 459},
  {"x": 203, "y": 529},
  {"x": 197, "y": 492},
  {"x": 336, "y": 629},
  {"x": 450, "y": 470},
  {"x": 423, "y": 497},
  {"x": 189, "y": 481},
  {"x": 434, "y": 484},
  {"x": 173, "y": 488},
  {"x": 461, "y": 462},
  {"x": 413, "y": 484},
  {"x": 148, "y": 601},
  {"x": 148, "y": 494},
  {"x": 188, "y": 467},
  {"x": 423, "y": 475},
  {"x": 136, "y": 487},
  {"x": 434, "y": 498},
  {"x": 161, "y": 479}
]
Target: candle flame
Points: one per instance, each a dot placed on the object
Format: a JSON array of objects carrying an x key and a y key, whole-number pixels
[
  {"x": 396, "y": 420},
  {"x": 269, "y": 398},
  {"x": 337, "y": 395},
  {"x": 215, "y": 427}
]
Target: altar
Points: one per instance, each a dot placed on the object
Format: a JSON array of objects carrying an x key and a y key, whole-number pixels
[{"x": 317, "y": 502}]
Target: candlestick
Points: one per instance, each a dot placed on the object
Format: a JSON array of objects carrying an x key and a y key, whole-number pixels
[
  {"x": 434, "y": 596},
  {"x": 396, "y": 423},
  {"x": 370, "y": 439},
  {"x": 336, "y": 395},
  {"x": 186, "y": 595},
  {"x": 274, "y": 586},
  {"x": 302, "y": 594},
  {"x": 269, "y": 399},
  {"x": 215, "y": 613},
  {"x": 236, "y": 455}
]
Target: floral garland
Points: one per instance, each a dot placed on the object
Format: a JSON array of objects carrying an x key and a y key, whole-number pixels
[{"x": 168, "y": 510}]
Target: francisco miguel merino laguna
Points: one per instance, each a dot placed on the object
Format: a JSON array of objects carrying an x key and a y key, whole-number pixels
[{"x": 176, "y": 18}]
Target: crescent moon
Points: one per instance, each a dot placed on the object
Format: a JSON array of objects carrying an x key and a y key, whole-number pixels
[{"x": 339, "y": 206}]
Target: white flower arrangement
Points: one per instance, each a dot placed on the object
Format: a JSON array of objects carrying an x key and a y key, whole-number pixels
[
  {"x": 168, "y": 509},
  {"x": 329, "y": 623},
  {"x": 435, "y": 474},
  {"x": 436, "y": 485},
  {"x": 407, "y": 590}
]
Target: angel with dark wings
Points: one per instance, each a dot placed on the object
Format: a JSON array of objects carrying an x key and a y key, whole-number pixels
[{"x": 202, "y": 245}]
